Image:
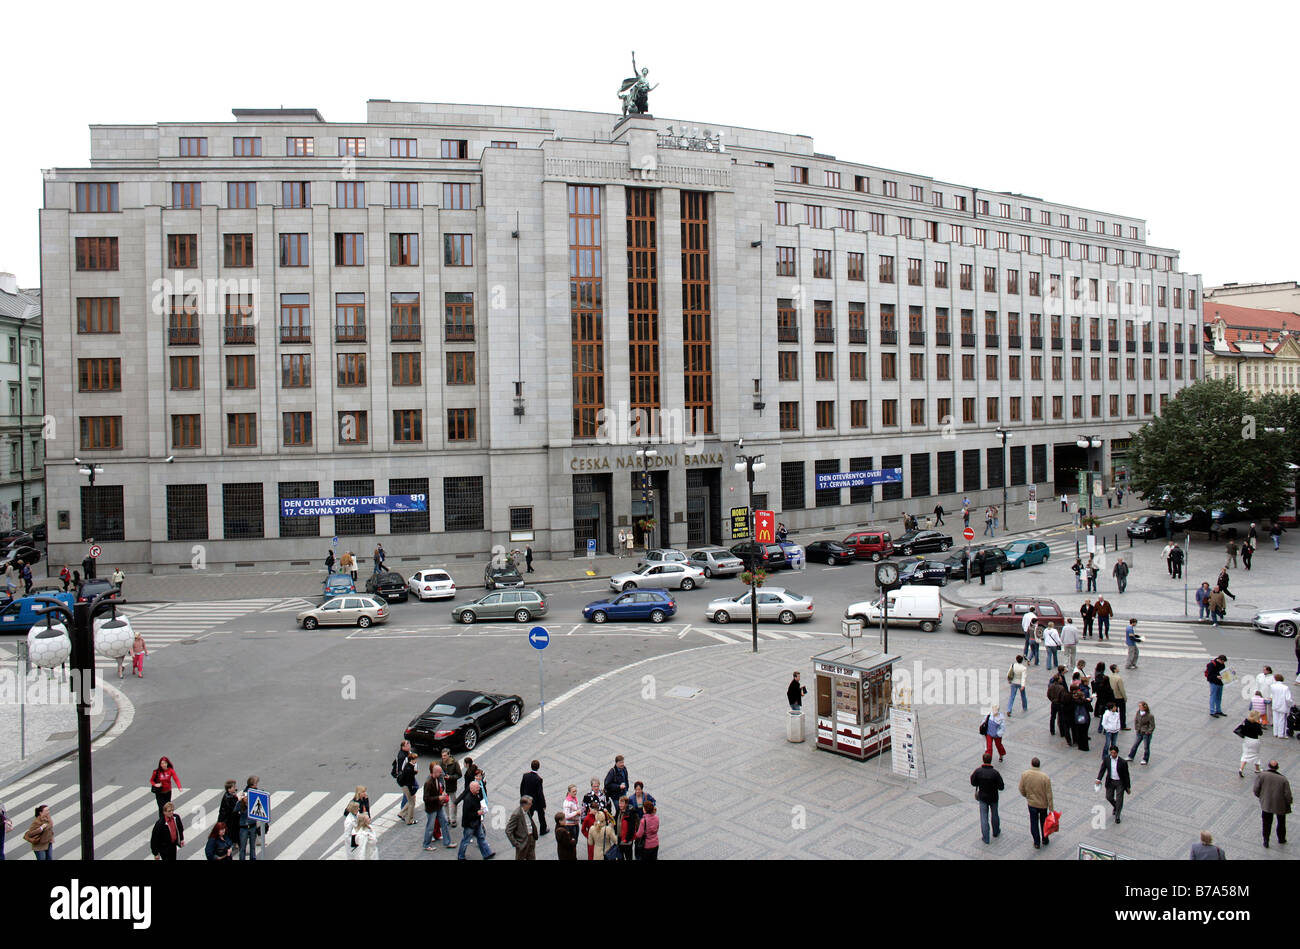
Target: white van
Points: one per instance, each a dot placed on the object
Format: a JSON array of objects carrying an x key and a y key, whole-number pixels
[{"x": 910, "y": 605}]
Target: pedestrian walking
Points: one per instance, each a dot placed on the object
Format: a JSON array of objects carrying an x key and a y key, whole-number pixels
[
  {"x": 1110, "y": 728},
  {"x": 965, "y": 517},
  {"x": 1092, "y": 571},
  {"x": 367, "y": 841},
  {"x": 379, "y": 556},
  {"x": 25, "y": 572},
  {"x": 1274, "y": 793},
  {"x": 228, "y": 814},
  {"x": 168, "y": 834},
  {"x": 1176, "y": 560},
  {"x": 218, "y": 845},
  {"x": 1120, "y": 694},
  {"x": 1144, "y": 725},
  {"x": 601, "y": 839},
  {"x": 1282, "y": 703},
  {"x": 1102, "y": 694},
  {"x": 471, "y": 819},
  {"x": 1247, "y": 552},
  {"x": 1231, "y": 547},
  {"x": 1224, "y": 580},
  {"x": 566, "y": 839},
  {"x": 436, "y": 799},
  {"x": 1213, "y": 674},
  {"x": 1275, "y": 532},
  {"x": 1056, "y": 694},
  {"x": 1206, "y": 850},
  {"x": 938, "y": 515},
  {"x": 1077, "y": 569},
  {"x": 1065, "y": 503},
  {"x": 88, "y": 567},
  {"x": 1070, "y": 641},
  {"x": 138, "y": 651},
  {"x": 1016, "y": 679},
  {"x": 988, "y": 522},
  {"x": 1036, "y": 789},
  {"x": 1131, "y": 640},
  {"x": 528, "y": 560},
  {"x": 163, "y": 781},
  {"x": 350, "y": 815},
  {"x": 1250, "y": 731},
  {"x": 1168, "y": 554},
  {"x": 1203, "y": 601},
  {"x": 450, "y": 775},
  {"x": 360, "y": 797},
  {"x": 795, "y": 692},
  {"x": 521, "y": 830},
  {"x": 65, "y": 576},
  {"x": 993, "y": 728},
  {"x": 329, "y": 561},
  {"x": 531, "y": 785},
  {"x": 616, "y": 780},
  {"x": 352, "y": 565},
  {"x": 1218, "y": 606},
  {"x": 987, "y": 782},
  {"x": 1028, "y": 624},
  {"x": 647, "y": 833},
  {"x": 76, "y": 581},
  {"x": 1082, "y": 718},
  {"x": 1114, "y": 772},
  {"x": 249, "y": 829},
  {"x": 410, "y": 787},
  {"x": 6, "y": 825},
  {"x": 40, "y": 834},
  {"x": 1052, "y": 644},
  {"x": 1104, "y": 611}
]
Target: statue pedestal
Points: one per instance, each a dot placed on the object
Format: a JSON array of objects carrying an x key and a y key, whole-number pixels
[
  {"x": 629, "y": 122},
  {"x": 641, "y": 134}
]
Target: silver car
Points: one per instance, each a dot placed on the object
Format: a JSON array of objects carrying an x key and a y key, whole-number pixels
[
  {"x": 774, "y": 603},
  {"x": 716, "y": 562},
  {"x": 350, "y": 610},
  {"x": 1283, "y": 622},
  {"x": 663, "y": 576},
  {"x": 661, "y": 555}
]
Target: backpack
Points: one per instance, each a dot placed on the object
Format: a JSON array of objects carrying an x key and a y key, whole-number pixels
[
  {"x": 1208, "y": 666},
  {"x": 395, "y": 771},
  {"x": 984, "y": 726},
  {"x": 1081, "y": 715}
]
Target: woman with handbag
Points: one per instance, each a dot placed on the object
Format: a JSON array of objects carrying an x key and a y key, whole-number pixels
[
  {"x": 1144, "y": 724},
  {"x": 648, "y": 830},
  {"x": 1250, "y": 731},
  {"x": 993, "y": 728},
  {"x": 572, "y": 812},
  {"x": 602, "y": 843},
  {"x": 163, "y": 780}
]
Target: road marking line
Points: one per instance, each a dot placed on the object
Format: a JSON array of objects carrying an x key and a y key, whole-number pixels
[
  {"x": 683, "y": 633},
  {"x": 316, "y": 830}
]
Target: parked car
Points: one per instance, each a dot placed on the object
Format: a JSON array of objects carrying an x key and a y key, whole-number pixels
[
  {"x": 992, "y": 557},
  {"x": 22, "y": 613},
  {"x": 767, "y": 556},
  {"x": 1004, "y": 615},
  {"x": 505, "y": 576},
  {"x": 1026, "y": 553},
  {"x": 662, "y": 576},
  {"x": 337, "y": 584},
  {"x": 432, "y": 583},
  {"x": 354, "y": 610},
  {"x": 716, "y": 562},
  {"x": 519, "y": 605},
  {"x": 794, "y": 553},
  {"x": 914, "y": 605},
  {"x": 388, "y": 585},
  {"x": 22, "y": 550},
  {"x": 1147, "y": 527},
  {"x": 458, "y": 719},
  {"x": 90, "y": 589},
  {"x": 923, "y": 572},
  {"x": 829, "y": 552},
  {"x": 1283, "y": 622},
  {"x": 654, "y": 605},
  {"x": 870, "y": 544},
  {"x": 921, "y": 542},
  {"x": 774, "y": 603},
  {"x": 661, "y": 555}
]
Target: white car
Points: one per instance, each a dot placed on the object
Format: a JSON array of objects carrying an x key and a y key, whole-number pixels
[
  {"x": 664, "y": 576},
  {"x": 1283, "y": 622},
  {"x": 774, "y": 603},
  {"x": 661, "y": 555},
  {"x": 716, "y": 562},
  {"x": 432, "y": 583}
]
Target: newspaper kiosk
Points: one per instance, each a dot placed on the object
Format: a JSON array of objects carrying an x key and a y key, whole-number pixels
[{"x": 854, "y": 689}]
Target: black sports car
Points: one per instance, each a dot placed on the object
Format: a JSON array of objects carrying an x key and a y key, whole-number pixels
[
  {"x": 391, "y": 586},
  {"x": 920, "y": 542},
  {"x": 459, "y": 719},
  {"x": 829, "y": 552}
]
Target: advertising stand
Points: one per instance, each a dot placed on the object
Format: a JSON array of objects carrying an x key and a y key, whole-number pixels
[{"x": 854, "y": 690}]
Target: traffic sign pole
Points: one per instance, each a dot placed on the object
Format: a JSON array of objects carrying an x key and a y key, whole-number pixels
[{"x": 539, "y": 639}]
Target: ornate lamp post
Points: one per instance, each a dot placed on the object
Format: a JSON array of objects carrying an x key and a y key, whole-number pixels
[
  {"x": 643, "y": 456},
  {"x": 751, "y": 464},
  {"x": 1089, "y": 442}
]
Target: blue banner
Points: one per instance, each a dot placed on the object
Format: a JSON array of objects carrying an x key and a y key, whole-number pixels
[
  {"x": 858, "y": 479},
  {"x": 379, "y": 504}
]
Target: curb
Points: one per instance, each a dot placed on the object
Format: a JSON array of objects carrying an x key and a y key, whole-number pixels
[{"x": 104, "y": 727}]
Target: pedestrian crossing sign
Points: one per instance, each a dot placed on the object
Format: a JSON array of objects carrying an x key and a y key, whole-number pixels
[{"x": 259, "y": 806}]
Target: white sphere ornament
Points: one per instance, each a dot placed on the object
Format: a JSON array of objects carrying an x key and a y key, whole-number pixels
[
  {"x": 113, "y": 637},
  {"x": 48, "y": 647}
]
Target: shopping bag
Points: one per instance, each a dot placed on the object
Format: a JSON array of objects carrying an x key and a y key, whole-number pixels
[{"x": 1052, "y": 824}]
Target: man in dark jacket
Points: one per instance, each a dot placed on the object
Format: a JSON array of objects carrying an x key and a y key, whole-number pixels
[
  {"x": 1114, "y": 770},
  {"x": 471, "y": 818},
  {"x": 1212, "y": 675},
  {"x": 531, "y": 786},
  {"x": 617, "y": 783},
  {"x": 228, "y": 813},
  {"x": 169, "y": 833},
  {"x": 435, "y": 808},
  {"x": 1080, "y": 710},
  {"x": 450, "y": 774},
  {"x": 521, "y": 831},
  {"x": 1102, "y": 694},
  {"x": 795, "y": 692},
  {"x": 987, "y": 783},
  {"x": 1056, "y": 692},
  {"x": 1274, "y": 793}
]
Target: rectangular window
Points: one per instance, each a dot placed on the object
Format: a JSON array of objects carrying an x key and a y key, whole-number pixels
[
  {"x": 1013, "y": 281},
  {"x": 240, "y": 326},
  {"x": 97, "y": 197},
  {"x": 916, "y": 364},
  {"x": 183, "y": 321},
  {"x": 822, "y": 267},
  {"x": 889, "y": 189},
  {"x": 462, "y": 503},
  {"x": 799, "y": 174},
  {"x": 352, "y": 147},
  {"x": 461, "y": 425},
  {"x": 857, "y": 367},
  {"x": 349, "y": 250},
  {"x": 413, "y": 522},
  {"x": 295, "y": 526},
  {"x": 238, "y": 250},
  {"x": 1013, "y": 409},
  {"x": 918, "y": 412},
  {"x": 99, "y": 375},
  {"x": 295, "y": 318},
  {"x": 295, "y": 250},
  {"x": 96, "y": 253},
  {"x": 247, "y": 146},
  {"x": 351, "y": 369},
  {"x": 783, "y": 212},
  {"x": 787, "y": 366},
  {"x": 351, "y": 194},
  {"x": 405, "y": 313},
  {"x": 825, "y": 415},
  {"x": 968, "y": 367},
  {"x": 299, "y": 146},
  {"x": 98, "y": 314},
  {"x": 889, "y": 366},
  {"x": 792, "y": 486},
  {"x": 193, "y": 148},
  {"x": 875, "y": 222},
  {"x": 297, "y": 429},
  {"x": 826, "y": 497},
  {"x": 404, "y": 250},
  {"x": 991, "y": 279},
  {"x": 458, "y": 250},
  {"x": 455, "y": 197},
  {"x": 241, "y": 429},
  {"x": 857, "y": 266},
  {"x": 241, "y": 510},
  {"x": 408, "y": 427},
  {"x": 788, "y": 416},
  {"x": 967, "y": 276},
  {"x": 295, "y": 194},
  {"x": 785, "y": 262},
  {"x": 941, "y": 274},
  {"x": 459, "y": 313},
  {"x": 240, "y": 372},
  {"x": 241, "y": 194},
  {"x": 586, "y": 308},
  {"x": 460, "y": 368},
  {"x": 354, "y": 428},
  {"x": 812, "y": 215},
  {"x": 991, "y": 412},
  {"x": 889, "y": 413},
  {"x": 349, "y": 317},
  {"x": 455, "y": 148},
  {"x": 848, "y": 219},
  {"x": 403, "y": 194},
  {"x": 182, "y": 251},
  {"x": 886, "y": 269},
  {"x": 403, "y": 148},
  {"x": 186, "y": 431},
  {"x": 832, "y": 179},
  {"x": 914, "y": 271},
  {"x": 406, "y": 369},
  {"x": 861, "y": 183},
  {"x": 186, "y": 194},
  {"x": 824, "y": 363},
  {"x": 858, "y": 416}
]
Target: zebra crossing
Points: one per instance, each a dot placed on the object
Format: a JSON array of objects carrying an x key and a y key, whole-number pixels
[
  {"x": 306, "y": 825},
  {"x": 744, "y": 633}
]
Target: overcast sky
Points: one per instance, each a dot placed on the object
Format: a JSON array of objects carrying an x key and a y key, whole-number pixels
[{"x": 1179, "y": 113}]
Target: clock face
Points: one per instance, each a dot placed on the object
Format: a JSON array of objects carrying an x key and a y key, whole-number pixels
[{"x": 887, "y": 574}]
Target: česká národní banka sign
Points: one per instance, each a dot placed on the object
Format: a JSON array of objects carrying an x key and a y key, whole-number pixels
[{"x": 379, "y": 504}]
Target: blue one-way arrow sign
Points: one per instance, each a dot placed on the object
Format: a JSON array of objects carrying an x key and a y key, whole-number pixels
[{"x": 538, "y": 637}]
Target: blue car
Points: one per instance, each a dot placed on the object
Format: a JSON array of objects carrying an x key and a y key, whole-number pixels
[
  {"x": 337, "y": 583},
  {"x": 1026, "y": 553},
  {"x": 21, "y": 614},
  {"x": 654, "y": 605}
]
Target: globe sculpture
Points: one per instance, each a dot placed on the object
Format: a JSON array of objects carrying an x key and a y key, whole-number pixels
[
  {"x": 49, "y": 647},
  {"x": 113, "y": 637}
]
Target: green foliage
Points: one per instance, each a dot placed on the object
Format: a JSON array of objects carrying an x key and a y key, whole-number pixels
[{"x": 1209, "y": 449}]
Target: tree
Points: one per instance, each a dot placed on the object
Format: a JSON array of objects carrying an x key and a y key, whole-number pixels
[{"x": 1209, "y": 449}]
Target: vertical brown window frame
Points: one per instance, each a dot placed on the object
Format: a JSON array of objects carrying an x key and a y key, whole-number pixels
[
  {"x": 457, "y": 196},
  {"x": 99, "y": 375},
  {"x": 350, "y": 249},
  {"x": 297, "y": 429},
  {"x": 458, "y": 317},
  {"x": 187, "y": 194},
  {"x": 241, "y": 195},
  {"x": 299, "y": 146},
  {"x": 295, "y": 370},
  {"x": 295, "y": 194},
  {"x": 460, "y": 368},
  {"x": 246, "y": 146},
  {"x": 101, "y": 432},
  {"x": 241, "y": 429},
  {"x": 183, "y": 373},
  {"x": 407, "y": 369},
  {"x": 349, "y": 318},
  {"x": 643, "y": 308},
  {"x": 586, "y": 312},
  {"x": 240, "y": 323},
  {"x": 96, "y": 253},
  {"x": 182, "y": 251},
  {"x": 187, "y": 431},
  {"x": 350, "y": 194},
  {"x": 295, "y": 318},
  {"x": 697, "y": 312},
  {"x": 192, "y": 146},
  {"x": 97, "y": 197},
  {"x": 404, "y": 317},
  {"x": 237, "y": 251},
  {"x": 295, "y": 250},
  {"x": 403, "y": 250},
  {"x": 183, "y": 320},
  {"x": 462, "y": 425},
  {"x": 403, "y": 148},
  {"x": 351, "y": 370},
  {"x": 98, "y": 315},
  {"x": 241, "y": 371},
  {"x": 403, "y": 194},
  {"x": 458, "y": 250},
  {"x": 408, "y": 427}
]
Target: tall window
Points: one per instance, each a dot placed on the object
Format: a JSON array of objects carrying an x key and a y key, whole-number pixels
[
  {"x": 857, "y": 268},
  {"x": 183, "y": 320},
  {"x": 697, "y": 319},
  {"x": 241, "y": 326},
  {"x": 459, "y": 311},
  {"x": 788, "y": 416},
  {"x": 350, "y": 317},
  {"x": 822, "y": 264},
  {"x": 460, "y": 368},
  {"x": 409, "y": 522},
  {"x": 404, "y": 250},
  {"x": 458, "y": 250},
  {"x": 785, "y": 262},
  {"x": 405, "y": 309},
  {"x": 351, "y": 369},
  {"x": 643, "y": 306},
  {"x": 295, "y": 318},
  {"x": 586, "y": 308},
  {"x": 241, "y": 510},
  {"x": 462, "y": 503},
  {"x": 238, "y": 250}
]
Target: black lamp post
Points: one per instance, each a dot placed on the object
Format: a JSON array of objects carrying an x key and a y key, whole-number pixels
[
  {"x": 1003, "y": 433},
  {"x": 1089, "y": 442},
  {"x": 644, "y": 455},
  {"x": 750, "y": 464}
]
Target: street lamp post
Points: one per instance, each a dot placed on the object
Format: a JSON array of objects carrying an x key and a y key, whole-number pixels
[
  {"x": 643, "y": 456},
  {"x": 1089, "y": 442},
  {"x": 751, "y": 464},
  {"x": 1003, "y": 433}
]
